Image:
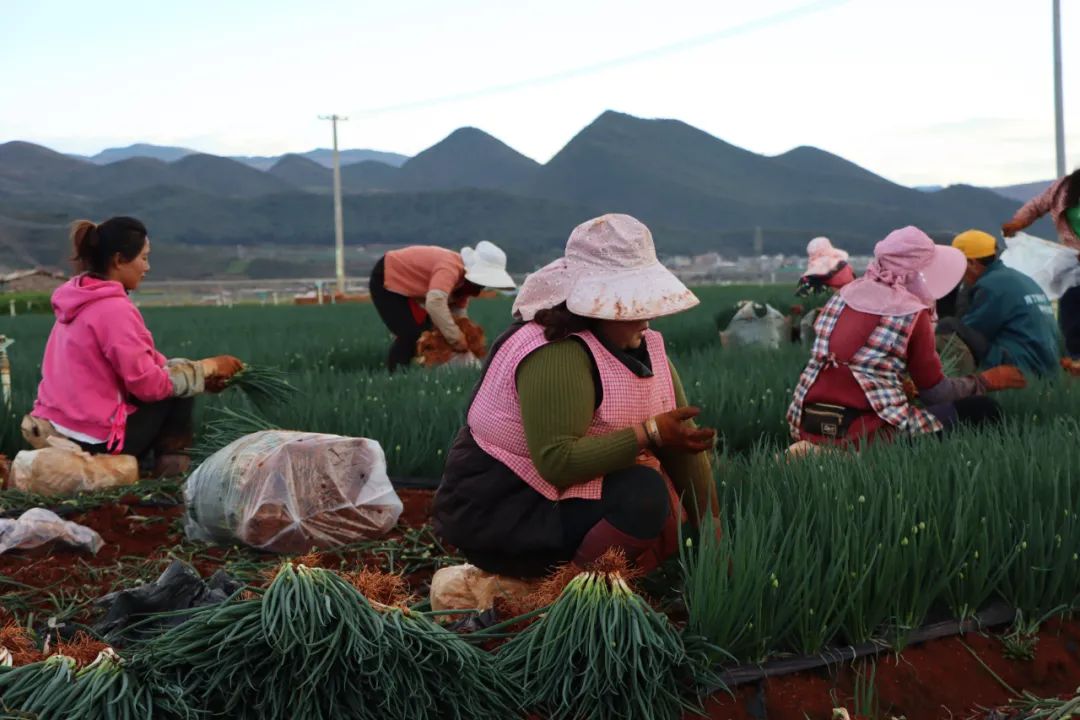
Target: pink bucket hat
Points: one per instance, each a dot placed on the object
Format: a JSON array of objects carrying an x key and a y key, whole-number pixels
[
  {"x": 609, "y": 272},
  {"x": 822, "y": 257},
  {"x": 908, "y": 274}
]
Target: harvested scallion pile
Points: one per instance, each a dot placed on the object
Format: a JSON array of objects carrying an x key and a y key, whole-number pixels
[
  {"x": 313, "y": 646},
  {"x": 105, "y": 688},
  {"x": 602, "y": 652},
  {"x": 264, "y": 386}
]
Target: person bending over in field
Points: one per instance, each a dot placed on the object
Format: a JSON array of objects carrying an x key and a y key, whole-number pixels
[
  {"x": 1009, "y": 319},
  {"x": 827, "y": 270},
  {"x": 420, "y": 286},
  {"x": 103, "y": 383},
  {"x": 579, "y": 436},
  {"x": 874, "y": 332},
  {"x": 1062, "y": 201}
]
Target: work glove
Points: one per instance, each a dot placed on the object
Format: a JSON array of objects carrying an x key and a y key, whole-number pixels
[
  {"x": 910, "y": 389},
  {"x": 221, "y": 367},
  {"x": 1011, "y": 228},
  {"x": 1002, "y": 377},
  {"x": 678, "y": 434},
  {"x": 460, "y": 345}
]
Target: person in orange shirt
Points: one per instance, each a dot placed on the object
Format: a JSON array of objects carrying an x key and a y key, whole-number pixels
[{"x": 418, "y": 287}]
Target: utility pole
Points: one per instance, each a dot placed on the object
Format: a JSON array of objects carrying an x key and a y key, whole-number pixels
[
  {"x": 1059, "y": 101},
  {"x": 339, "y": 228}
]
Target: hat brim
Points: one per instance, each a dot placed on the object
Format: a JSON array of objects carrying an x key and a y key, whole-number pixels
[
  {"x": 490, "y": 277},
  {"x": 639, "y": 294},
  {"x": 945, "y": 271}
]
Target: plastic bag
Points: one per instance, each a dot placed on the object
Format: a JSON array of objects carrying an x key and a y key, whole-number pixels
[
  {"x": 464, "y": 587},
  {"x": 756, "y": 325},
  {"x": 63, "y": 468},
  {"x": 38, "y": 526},
  {"x": 1053, "y": 266},
  {"x": 288, "y": 492},
  {"x": 178, "y": 588}
]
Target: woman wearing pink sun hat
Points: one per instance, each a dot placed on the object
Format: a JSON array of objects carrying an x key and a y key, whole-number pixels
[
  {"x": 578, "y": 437},
  {"x": 873, "y": 333}
]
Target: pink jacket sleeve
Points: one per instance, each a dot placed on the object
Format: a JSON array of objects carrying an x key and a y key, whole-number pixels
[
  {"x": 129, "y": 348},
  {"x": 1037, "y": 206}
]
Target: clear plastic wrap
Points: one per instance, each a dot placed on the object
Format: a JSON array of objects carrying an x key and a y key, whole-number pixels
[
  {"x": 38, "y": 526},
  {"x": 1053, "y": 266},
  {"x": 289, "y": 492}
]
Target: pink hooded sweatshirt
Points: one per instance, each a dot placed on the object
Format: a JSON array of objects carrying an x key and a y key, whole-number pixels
[{"x": 99, "y": 356}]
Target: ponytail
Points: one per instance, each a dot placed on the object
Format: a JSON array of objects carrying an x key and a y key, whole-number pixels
[{"x": 95, "y": 246}]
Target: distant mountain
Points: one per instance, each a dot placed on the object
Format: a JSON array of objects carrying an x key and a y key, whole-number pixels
[
  {"x": 1024, "y": 192},
  {"x": 141, "y": 150},
  {"x": 468, "y": 157},
  {"x": 27, "y": 168},
  {"x": 813, "y": 160},
  {"x": 325, "y": 157},
  {"x": 167, "y": 153},
  {"x": 302, "y": 173},
  {"x": 370, "y": 176},
  {"x": 694, "y": 190},
  {"x": 213, "y": 174},
  {"x": 669, "y": 173}
]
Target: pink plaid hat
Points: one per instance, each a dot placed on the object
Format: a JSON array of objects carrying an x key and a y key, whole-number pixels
[
  {"x": 609, "y": 272},
  {"x": 908, "y": 274}
]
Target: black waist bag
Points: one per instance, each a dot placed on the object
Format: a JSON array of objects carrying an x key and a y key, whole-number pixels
[{"x": 831, "y": 421}]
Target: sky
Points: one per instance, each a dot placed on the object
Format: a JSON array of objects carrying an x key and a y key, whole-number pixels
[{"x": 919, "y": 91}]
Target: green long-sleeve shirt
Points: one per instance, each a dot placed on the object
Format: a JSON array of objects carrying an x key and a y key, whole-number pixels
[{"x": 557, "y": 394}]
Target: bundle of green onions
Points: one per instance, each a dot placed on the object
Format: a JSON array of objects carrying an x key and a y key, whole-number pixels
[
  {"x": 602, "y": 652},
  {"x": 264, "y": 386},
  {"x": 313, "y": 646},
  {"x": 224, "y": 427},
  {"x": 106, "y": 688}
]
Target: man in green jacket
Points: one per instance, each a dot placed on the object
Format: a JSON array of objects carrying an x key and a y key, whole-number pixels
[{"x": 1010, "y": 319}]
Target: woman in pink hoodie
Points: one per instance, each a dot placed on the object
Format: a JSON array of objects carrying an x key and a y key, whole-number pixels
[{"x": 104, "y": 385}]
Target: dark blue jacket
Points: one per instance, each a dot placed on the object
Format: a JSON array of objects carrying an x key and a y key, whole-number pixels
[{"x": 1011, "y": 311}]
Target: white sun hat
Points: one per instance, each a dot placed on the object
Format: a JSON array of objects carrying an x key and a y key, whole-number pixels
[
  {"x": 486, "y": 266},
  {"x": 609, "y": 272}
]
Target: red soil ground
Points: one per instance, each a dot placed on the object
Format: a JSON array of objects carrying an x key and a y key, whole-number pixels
[{"x": 940, "y": 679}]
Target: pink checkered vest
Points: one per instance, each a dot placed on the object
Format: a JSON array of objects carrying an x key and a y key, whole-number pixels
[
  {"x": 495, "y": 414},
  {"x": 879, "y": 367}
]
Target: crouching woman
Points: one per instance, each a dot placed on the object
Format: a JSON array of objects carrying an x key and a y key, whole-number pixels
[
  {"x": 578, "y": 437},
  {"x": 104, "y": 385},
  {"x": 875, "y": 332}
]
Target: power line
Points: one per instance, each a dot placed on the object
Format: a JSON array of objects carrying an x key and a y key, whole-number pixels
[{"x": 652, "y": 54}]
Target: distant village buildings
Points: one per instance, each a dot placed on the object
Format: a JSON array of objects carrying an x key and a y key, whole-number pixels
[{"x": 36, "y": 280}]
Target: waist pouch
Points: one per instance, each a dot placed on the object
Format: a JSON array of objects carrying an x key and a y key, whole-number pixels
[{"x": 831, "y": 421}]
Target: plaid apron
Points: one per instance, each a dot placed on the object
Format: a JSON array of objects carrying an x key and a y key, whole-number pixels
[{"x": 879, "y": 367}]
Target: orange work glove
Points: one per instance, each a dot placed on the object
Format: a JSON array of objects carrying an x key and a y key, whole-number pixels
[
  {"x": 677, "y": 433},
  {"x": 910, "y": 389},
  {"x": 1002, "y": 377},
  {"x": 1011, "y": 228},
  {"x": 221, "y": 367}
]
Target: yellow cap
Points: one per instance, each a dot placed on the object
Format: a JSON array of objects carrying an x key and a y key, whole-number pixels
[{"x": 975, "y": 244}]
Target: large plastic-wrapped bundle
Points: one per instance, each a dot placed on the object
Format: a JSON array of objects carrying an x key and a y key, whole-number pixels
[
  {"x": 756, "y": 325},
  {"x": 1052, "y": 265},
  {"x": 289, "y": 492}
]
